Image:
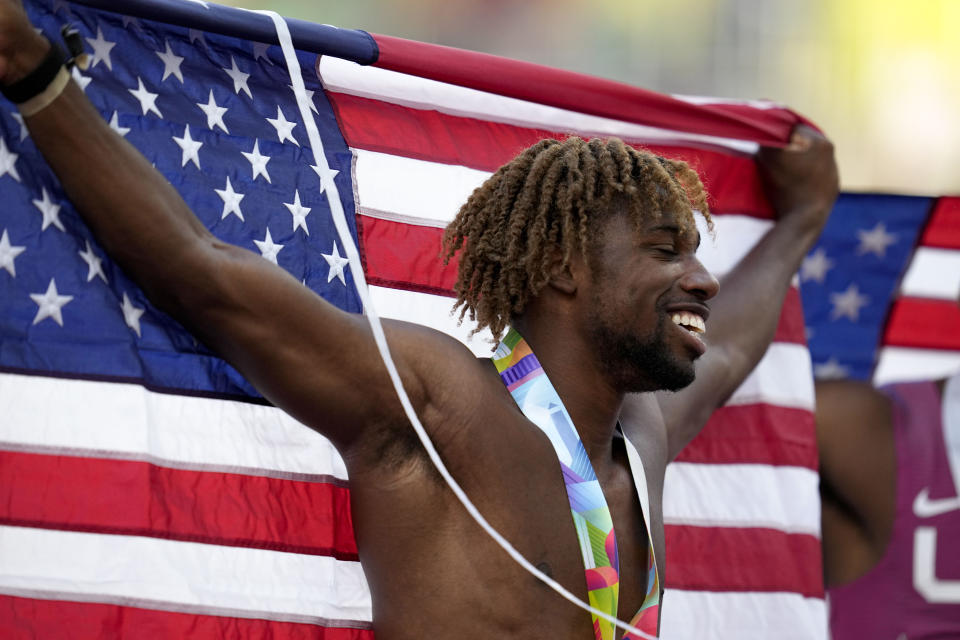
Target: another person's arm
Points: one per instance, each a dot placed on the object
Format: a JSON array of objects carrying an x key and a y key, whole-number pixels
[
  {"x": 313, "y": 360},
  {"x": 801, "y": 181},
  {"x": 857, "y": 477}
]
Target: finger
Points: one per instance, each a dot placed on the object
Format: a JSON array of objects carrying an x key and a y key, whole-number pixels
[{"x": 801, "y": 139}]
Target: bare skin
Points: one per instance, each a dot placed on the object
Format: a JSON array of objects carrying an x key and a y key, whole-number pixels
[
  {"x": 431, "y": 570},
  {"x": 857, "y": 477}
]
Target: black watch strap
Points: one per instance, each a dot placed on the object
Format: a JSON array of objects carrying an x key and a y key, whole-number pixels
[{"x": 37, "y": 80}]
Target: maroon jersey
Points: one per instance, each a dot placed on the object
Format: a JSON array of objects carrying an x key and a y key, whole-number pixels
[{"x": 914, "y": 591}]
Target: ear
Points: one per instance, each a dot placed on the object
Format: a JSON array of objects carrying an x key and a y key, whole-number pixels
[{"x": 562, "y": 276}]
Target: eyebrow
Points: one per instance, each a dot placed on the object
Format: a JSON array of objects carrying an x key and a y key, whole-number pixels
[{"x": 674, "y": 230}]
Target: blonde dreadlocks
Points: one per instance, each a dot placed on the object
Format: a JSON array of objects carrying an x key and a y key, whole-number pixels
[{"x": 552, "y": 195}]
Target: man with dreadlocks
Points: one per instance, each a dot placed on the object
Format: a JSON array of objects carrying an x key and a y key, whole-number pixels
[{"x": 586, "y": 249}]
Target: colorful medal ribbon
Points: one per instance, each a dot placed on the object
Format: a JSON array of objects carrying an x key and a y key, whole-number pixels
[{"x": 538, "y": 400}]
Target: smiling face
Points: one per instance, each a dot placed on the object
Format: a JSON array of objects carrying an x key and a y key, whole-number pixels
[{"x": 647, "y": 303}]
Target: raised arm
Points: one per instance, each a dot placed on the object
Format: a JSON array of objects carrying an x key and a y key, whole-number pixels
[
  {"x": 802, "y": 184},
  {"x": 302, "y": 353}
]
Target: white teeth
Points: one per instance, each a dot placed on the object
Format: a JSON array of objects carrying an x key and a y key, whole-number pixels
[{"x": 690, "y": 321}]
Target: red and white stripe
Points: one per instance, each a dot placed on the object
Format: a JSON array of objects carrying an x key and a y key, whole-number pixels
[{"x": 922, "y": 337}]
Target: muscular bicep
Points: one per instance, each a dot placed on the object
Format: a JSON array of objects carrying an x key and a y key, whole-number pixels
[{"x": 316, "y": 362}]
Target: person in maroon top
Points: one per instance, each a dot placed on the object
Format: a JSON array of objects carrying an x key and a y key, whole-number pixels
[{"x": 890, "y": 485}]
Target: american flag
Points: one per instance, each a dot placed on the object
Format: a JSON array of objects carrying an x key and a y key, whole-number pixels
[
  {"x": 881, "y": 290},
  {"x": 146, "y": 489}
]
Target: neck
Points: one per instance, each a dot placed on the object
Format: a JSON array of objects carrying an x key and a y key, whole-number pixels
[{"x": 577, "y": 376}]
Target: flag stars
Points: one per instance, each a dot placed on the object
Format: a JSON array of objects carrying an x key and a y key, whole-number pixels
[
  {"x": 81, "y": 79},
  {"x": 830, "y": 370},
  {"x": 50, "y": 304},
  {"x": 260, "y": 51},
  {"x": 337, "y": 263},
  {"x": 148, "y": 100},
  {"x": 94, "y": 264},
  {"x": 23, "y": 126},
  {"x": 239, "y": 78},
  {"x": 310, "y": 95},
  {"x": 131, "y": 314},
  {"x": 8, "y": 253},
  {"x": 875, "y": 241},
  {"x": 190, "y": 148},
  {"x": 214, "y": 113},
  {"x": 131, "y": 23},
  {"x": 115, "y": 125},
  {"x": 848, "y": 304},
  {"x": 231, "y": 201},
  {"x": 299, "y": 213},
  {"x": 326, "y": 175},
  {"x": 268, "y": 248},
  {"x": 8, "y": 161},
  {"x": 815, "y": 266},
  {"x": 101, "y": 50},
  {"x": 258, "y": 162},
  {"x": 284, "y": 127},
  {"x": 49, "y": 210},
  {"x": 197, "y": 35},
  {"x": 171, "y": 63}
]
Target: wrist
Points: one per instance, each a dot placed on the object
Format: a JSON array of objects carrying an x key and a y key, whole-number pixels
[
  {"x": 805, "y": 220},
  {"x": 26, "y": 59},
  {"x": 38, "y": 89}
]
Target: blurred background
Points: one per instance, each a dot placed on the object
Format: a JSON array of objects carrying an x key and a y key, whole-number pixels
[{"x": 881, "y": 77}]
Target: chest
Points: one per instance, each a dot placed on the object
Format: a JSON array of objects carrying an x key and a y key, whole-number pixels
[
  {"x": 565, "y": 532},
  {"x": 410, "y": 526}
]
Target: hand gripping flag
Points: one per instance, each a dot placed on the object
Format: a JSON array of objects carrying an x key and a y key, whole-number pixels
[{"x": 144, "y": 485}]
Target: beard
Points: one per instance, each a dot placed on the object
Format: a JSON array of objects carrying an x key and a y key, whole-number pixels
[{"x": 635, "y": 363}]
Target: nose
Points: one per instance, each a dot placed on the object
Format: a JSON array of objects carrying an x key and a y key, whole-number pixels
[{"x": 698, "y": 281}]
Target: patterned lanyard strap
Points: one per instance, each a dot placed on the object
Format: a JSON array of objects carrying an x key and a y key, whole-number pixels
[{"x": 538, "y": 400}]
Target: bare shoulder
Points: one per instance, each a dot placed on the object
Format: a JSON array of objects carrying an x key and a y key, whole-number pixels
[
  {"x": 453, "y": 378},
  {"x": 444, "y": 364},
  {"x": 452, "y": 391}
]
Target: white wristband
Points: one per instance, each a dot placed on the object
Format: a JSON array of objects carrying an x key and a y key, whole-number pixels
[{"x": 43, "y": 99}]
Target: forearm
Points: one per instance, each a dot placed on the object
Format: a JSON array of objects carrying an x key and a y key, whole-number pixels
[
  {"x": 136, "y": 215},
  {"x": 745, "y": 314}
]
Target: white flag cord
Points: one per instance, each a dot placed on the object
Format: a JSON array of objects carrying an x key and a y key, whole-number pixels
[{"x": 340, "y": 223}]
